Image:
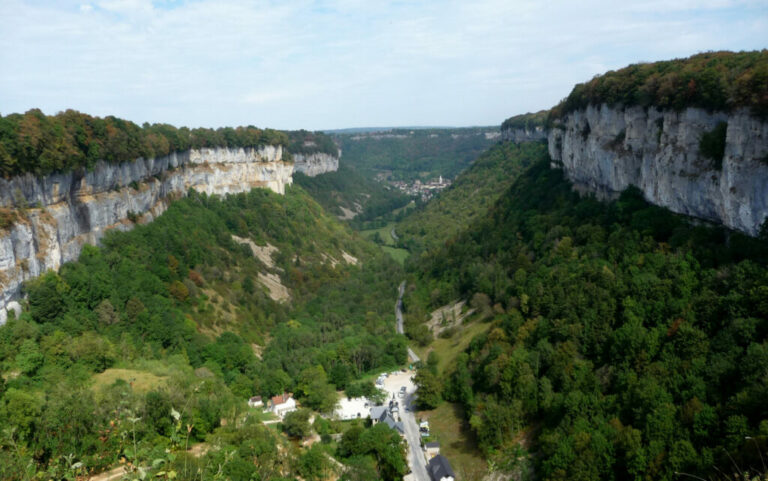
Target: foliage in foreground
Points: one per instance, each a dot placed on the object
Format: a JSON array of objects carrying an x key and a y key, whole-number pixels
[{"x": 180, "y": 299}]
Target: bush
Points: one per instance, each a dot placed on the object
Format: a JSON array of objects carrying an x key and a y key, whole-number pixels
[{"x": 296, "y": 423}]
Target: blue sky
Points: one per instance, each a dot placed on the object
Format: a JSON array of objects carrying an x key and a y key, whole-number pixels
[{"x": 341, "y": 63}]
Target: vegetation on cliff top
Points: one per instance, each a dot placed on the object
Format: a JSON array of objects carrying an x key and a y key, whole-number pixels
[
  {"x": 306, "y": 142},
  {"x": 527, "y": 121},
  {"x": 716, "y": 81},
  {"x": 42, "y": 144}
]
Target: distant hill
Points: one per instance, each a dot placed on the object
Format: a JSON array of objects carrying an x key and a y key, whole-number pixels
[{"x": 409, "y": 154}]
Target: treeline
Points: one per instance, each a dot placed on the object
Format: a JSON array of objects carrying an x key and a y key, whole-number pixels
[
  {"x": 41, "y": 144},
  {"x": 305, "y": 142},
  {"x": 177, "y": 305},
  {"x": 408, "y": 155},
  {"x": 631, "y": 343},
  {"x": 527, "y": 121},
  {"x": 719, "y": 81}
]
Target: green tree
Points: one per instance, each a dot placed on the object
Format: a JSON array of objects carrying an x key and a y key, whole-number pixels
[
  {"x": 315, "y": 390},
  {"x": 314, "y": 464},
  {"x": 29, "y": 359},
  {"x": 296, "y": 423},
  {"x": 429, "y": 389}
]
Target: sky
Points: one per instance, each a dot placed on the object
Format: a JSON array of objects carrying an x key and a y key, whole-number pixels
[{"x": 293, "y": 64}]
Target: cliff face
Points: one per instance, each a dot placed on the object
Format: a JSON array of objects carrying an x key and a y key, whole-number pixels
[
  {"x": 604, "y": 150},
  {"x": 316, "y": 163},
  {"x": 58, "y": 214},
  {"x": 517, "y": 135}
]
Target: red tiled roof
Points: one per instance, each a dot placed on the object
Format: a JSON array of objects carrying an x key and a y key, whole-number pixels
[{"x": 281, "y": 398}]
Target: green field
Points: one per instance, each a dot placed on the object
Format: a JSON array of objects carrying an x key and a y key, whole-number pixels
[
  {"x": 397, "y": 253},
  {"x": 140, "y": 381},
  {"x": 384, "y": 232},
  {"x": 448, "y": 425},
  {"x": 448, "y": 349}
]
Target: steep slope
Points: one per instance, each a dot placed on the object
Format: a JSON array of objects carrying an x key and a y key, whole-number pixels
[
  {"x": 313, "y": 153},
  {"x": 73, "y": 209},
  {"x": 691, "y": 134},
  {"x": 628, "y": 342},
  {"x": 178, "y": 311},
  {"x": 70, "y": 178},
  {"x": 349, "y": 195},
  {"x": 474, "y": 191}
]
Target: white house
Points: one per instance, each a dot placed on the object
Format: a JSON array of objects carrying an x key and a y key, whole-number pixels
[
  {"x": 282, "y": 404},
  {"x": 255, "y": 402}
]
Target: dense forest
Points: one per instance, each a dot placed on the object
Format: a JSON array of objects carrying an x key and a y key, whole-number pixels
[
  {"x": 470, "y": 196},
  {"x": 408, "y": 155},
  {"x": 346, "y": 193},
  {"x": 625, "y": 341},
  {"x": 155, "y": 340},
  {"x": 720, "y": 81},
  {"x": 527, "y": 121},
  {"x": 42, "y": 144}
]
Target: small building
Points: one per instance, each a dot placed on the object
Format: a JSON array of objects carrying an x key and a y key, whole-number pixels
[
  {"x": 380, "y": 414},
  {"x": 282, "y": 404},
  {"x": 255, "y": 402},
  {"x": 439, "y": 469},
  {"x": 432, "y": 449},
  {"x": 377, "y": 412}
]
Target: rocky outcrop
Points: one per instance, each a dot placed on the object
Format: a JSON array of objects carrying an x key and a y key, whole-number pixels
[
  {"x": 604, "y": 150},
  {"x": 56, "y": 215},
  {"x": 316, "y": 163},
  {"x": 529, "y": 134}
]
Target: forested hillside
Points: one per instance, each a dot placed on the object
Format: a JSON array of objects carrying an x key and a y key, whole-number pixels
[
  {"x": 623, "y": 341},
  {"x": 424, "y": 154},
  {"x": 156, "y": 339},
  {"x": 469, "y": 197},
  {"x": 348, "y": 194}
]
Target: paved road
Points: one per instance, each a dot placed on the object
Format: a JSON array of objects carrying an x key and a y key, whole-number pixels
[
  {"x": 416, "y": 456},
  {"x": 416, "y": 459},
  {"x": 399, "y": 318},
  {"x": 394, "y": 236}
]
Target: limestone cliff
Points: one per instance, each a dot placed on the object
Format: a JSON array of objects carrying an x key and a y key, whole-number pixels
[
  {"x": 606, "y": 149},
  {"x": 524, "y": 134},
  {"x": 57, "y": 214},
  {"x": 316, "y": 163}
]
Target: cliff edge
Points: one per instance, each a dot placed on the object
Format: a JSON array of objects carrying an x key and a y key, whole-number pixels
[{"x": 46, "y": 220}]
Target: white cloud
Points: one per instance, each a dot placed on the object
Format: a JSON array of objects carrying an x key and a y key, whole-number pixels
[{"x": 336, "y": 63}]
